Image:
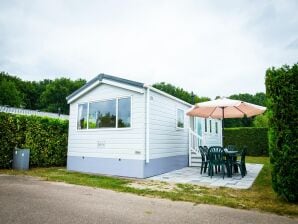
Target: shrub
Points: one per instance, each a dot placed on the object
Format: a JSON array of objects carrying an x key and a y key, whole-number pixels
[
  {"x": 45, "y": 137},
  {"x": 261, "y": 121},
  {"x": 256, "y": 139},
  {"x": 282, "y": 94}
]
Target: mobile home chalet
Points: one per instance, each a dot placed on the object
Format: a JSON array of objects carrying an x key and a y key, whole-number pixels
[{"x": 126, "y": 128}]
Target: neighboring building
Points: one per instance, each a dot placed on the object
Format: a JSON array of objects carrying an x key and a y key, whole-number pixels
[
  {"x": 126, "y": 128},
  {"x": 15, "y": 110}
]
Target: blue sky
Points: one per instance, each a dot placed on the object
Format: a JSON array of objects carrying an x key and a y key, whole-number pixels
[{"x": 210, "y": 47}]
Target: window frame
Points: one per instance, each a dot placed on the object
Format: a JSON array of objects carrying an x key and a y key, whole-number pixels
[
  {"x": 210, "y": 126},
  {"x": 77, "y": 117},
  {"x": 106, "y": 128},
  {"x": 183, "y": 111}
]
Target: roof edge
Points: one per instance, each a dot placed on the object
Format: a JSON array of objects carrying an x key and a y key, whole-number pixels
[{"x": 101, "y": 77}]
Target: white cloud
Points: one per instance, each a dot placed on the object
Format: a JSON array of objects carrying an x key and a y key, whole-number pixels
[{"x": 210, "y": 48}]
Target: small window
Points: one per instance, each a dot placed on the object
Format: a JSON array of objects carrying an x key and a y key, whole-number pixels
[
  {"x": 206, "y": 125},
  {"x": 102, "y": 114},
  {"x": 82, "y": 116},
  {"x": 216, "y": 127},
  {"x": 210, "y": 125},
  {"x": 180, "y": 118},
  {"x": 124, "y": 112}
]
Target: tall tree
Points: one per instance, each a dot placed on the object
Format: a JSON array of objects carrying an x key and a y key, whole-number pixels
[
  {"x": 53, "y": 98},
  {"x": 258, "y": 98},
  {"x": 179, "y": 93},
  {"x": 10, "y": 94}
]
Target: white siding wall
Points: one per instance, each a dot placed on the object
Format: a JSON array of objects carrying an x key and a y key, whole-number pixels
[
  {"x": 165, "y": 139},
  {"x": 119, "y": 143}
]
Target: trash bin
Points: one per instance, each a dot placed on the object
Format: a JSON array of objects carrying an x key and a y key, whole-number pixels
[{"x": 21, "y": 159}]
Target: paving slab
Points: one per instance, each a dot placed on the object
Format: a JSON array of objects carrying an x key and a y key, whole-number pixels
[{"x": 192, "y": 175}]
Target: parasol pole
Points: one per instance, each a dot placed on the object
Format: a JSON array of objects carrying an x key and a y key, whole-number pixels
[{"x": 223, "y": 125}]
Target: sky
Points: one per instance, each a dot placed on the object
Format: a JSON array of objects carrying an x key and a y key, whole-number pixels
[{"x": 213, "y": 48}]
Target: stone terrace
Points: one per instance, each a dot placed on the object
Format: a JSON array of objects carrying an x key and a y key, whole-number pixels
[{"x": 191, "y": 175}]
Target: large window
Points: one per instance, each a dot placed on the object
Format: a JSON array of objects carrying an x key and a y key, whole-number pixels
[
  {"x": 113, "y": 113},
  {"x": 180, "y": 118},
  {"x": 82, "y": 116},
  {"x": 102, "y": 114},
  {"x": 124, "y": 112}
]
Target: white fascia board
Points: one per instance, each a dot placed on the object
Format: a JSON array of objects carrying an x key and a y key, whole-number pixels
[
  {"x": 96, "y": 83},
  {"x": 123, "y": 86},
  {"x": 168, "y": 95}
]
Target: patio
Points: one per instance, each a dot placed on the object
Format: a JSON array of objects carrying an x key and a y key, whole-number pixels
[{"x": 191, "y": 175}]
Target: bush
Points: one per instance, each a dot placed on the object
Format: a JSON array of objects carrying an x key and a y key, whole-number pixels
[
  {"x": 45, "y": 137},
  {"x": 256, "y": 139},
  {"x": 261, "y": 121},
  {"x": 282, "y": 94}
]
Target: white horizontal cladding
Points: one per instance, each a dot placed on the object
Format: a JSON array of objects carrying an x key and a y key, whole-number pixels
[
  {"x": 134, "y": 149},
  {"x": 156, "y": 155},
  {"x": 166, "y": 139},
  {"x": 103, "y": 155},
  {"x": 108, "y": 92},
  {"x": 108, "y": 82},
  {"x": 109, "y": 142}
]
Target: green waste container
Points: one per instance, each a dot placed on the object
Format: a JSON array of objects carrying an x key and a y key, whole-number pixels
[{"x": 21, "y": 159}]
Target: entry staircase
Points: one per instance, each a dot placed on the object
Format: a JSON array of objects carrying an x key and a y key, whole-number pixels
[{"x": 193, "y": 144}]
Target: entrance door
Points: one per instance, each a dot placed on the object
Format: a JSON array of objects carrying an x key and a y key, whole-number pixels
[{"x": 198, "y": 129}]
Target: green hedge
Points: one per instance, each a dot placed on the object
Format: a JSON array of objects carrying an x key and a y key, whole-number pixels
[
  {"x": 256, "y": 139},
  {"x": 45, "y": 137},
  {"x": 282, "y": 95}
]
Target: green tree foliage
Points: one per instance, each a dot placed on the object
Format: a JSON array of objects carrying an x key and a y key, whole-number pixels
[
  {"x": 179, "y": 93},
  {"x": 282, "y": 94},
  {"x": 55, "y": 93},
  {"x": 10, "y": 95},
  {"x": 258, "y": 98},
  {"x": 46, "y": 95},
  {"x": 261, "y": 121}
]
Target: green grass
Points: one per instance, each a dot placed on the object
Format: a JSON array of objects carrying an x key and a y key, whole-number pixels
[{"x": 260, "y": 197}]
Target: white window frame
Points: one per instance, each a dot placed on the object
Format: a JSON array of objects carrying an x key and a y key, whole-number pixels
[
  {"x": 183, "y": 111},
  {"x": 82, "y": 129},
  {"x": 105, "y": 128}
]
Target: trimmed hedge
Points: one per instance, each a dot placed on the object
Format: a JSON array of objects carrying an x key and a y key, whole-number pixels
[
  {"x": 45, "y": 137},
  {"x": 256, "y": 139},
  {"x": 282, "y": 95}
]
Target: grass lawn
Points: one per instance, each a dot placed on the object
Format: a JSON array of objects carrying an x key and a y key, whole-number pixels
[{"x": 260, "y": 197}]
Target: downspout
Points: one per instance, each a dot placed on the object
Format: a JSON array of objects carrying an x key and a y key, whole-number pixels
[{"x": 147, "y": 123}]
